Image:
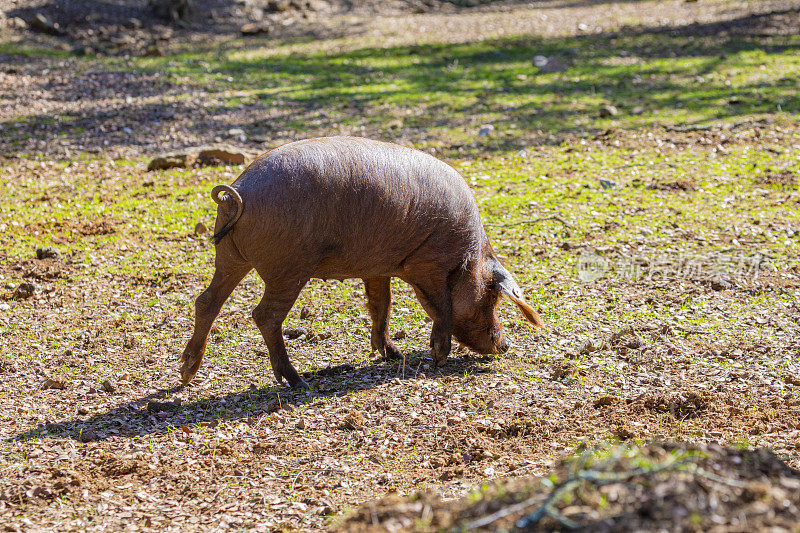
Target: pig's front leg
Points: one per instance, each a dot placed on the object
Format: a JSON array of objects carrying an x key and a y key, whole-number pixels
[
  {"x": 269, "y": 315},
  {"x": 226, "y": 277},
  {"x": 434, "y": 295}
]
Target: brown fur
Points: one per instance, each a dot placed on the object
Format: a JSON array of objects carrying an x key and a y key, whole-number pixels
[{"x": 345, "y": 207}]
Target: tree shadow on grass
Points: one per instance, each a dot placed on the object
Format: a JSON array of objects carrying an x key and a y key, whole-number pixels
[
  {"x": 672, "y": 75},
  {"x": 147, "y": 415}
]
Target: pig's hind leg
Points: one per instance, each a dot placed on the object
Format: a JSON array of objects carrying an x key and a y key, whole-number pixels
[
  {"x": 207, "y": 306},
  {"x": 379, "y": 299},
  {"x": 269, "y": 314}
]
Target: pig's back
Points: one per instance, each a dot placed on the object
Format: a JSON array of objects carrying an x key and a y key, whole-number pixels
[{"x": 355, "y": 207}]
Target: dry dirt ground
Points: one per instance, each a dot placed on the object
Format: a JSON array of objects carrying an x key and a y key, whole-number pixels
[{"x": 97, "y": 435}]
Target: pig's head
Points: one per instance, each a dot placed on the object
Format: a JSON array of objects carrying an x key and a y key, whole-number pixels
[{"x": 476, "y": 295}]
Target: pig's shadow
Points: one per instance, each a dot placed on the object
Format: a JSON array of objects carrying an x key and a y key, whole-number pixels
[{"x": 148, "y": 415}]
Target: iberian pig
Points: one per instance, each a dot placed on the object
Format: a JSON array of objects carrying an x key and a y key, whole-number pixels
[{"x": 346, "y": 207}]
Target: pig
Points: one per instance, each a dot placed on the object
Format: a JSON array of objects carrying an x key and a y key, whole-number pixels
[{"x": 348, "y": 207}]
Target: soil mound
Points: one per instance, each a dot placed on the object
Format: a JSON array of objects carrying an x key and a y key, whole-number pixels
[{"x": 660, "y": 486}]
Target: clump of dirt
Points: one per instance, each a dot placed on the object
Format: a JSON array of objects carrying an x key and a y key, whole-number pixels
[
  {"x": 114, "y": 467},
  {"x": 101, "y": 227},
  {"x": 680, "y": 405},
  {"x": 785, "y": 178},
  {"x": 616, "y": 487},
  {"x": 563, "y": 369},
  {"x": 677, "y": 185},
  {"x": 64, "y": 230}
]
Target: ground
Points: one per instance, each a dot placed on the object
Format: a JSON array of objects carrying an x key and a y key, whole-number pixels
[{"x": 644, "y": 193}]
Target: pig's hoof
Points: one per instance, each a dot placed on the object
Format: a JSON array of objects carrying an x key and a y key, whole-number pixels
[
  {"x": 439, "y": 360},
  {"x": 189, "y": 369},
  {"x": 300, "y": 384},
  {"x": 390, "y": 352}
]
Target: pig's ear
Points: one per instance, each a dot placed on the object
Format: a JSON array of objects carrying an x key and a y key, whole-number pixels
[{"x": 505, "y": 283}]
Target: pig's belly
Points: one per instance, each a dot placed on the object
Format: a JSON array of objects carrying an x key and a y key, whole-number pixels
[{"x": 364, "y": 265}]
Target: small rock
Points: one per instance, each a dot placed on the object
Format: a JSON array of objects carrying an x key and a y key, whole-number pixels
[
  {"x": 200, "y": 228},
  {"x": 54, "y": 427},
  {"x": 486, "y": 129},
  {"x": 638, "y": 110},
  {"x": 130, "y": 342},
  {"x": 607, "y": 184},
  {"x": 82, "y": 50},
  {"x": 158, "y": 407},
  {"x": 607, "y": 111},
  {"x": 255, "y": 28},
  {"x": 201, "y": 156},
  {"x": 83, "y": 411},
  {"x": 353, "y": 420},
  {"x": 133, "y": 23},
  {"x": 4, "y": 307},
  {"x": 791, "y": 379},
  {"x": 279, "y": 6},
  {"x": 16, "y": 23},
  {"x": 44, "y": 252},
  {"x": 400, "y": 335},
  {"x": 55, "y": 383},
  {"x": 171, "y": 10},
  {"x": 88, "y": 435},
  {"x": 109, "y": 386},
  {"x": 548, "y": 65},
  {"x": 623, "y": 433},
  {"x": 720, "y": 285},
  {"x": 323, "y": 335},
  {"x": 635, "y": 342},
  {"x": 588, "y": 347},
  {"x": 24, "y": 290},
  {"x": 306, "y": 312},
  {"x": 221, "y": 153},
  {"x": 41, "y": 23},
  {"x": 562, "y": 370},
  {"x": 604, "y": 401},
  {"x": 301, "y": 424},
  {"x": 167, "y": 161},
  {"x": 153, "y": 50},
  {"x": 294, "y": 333}
]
